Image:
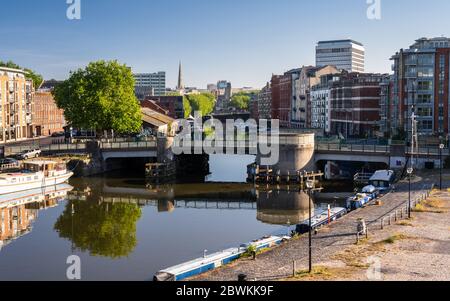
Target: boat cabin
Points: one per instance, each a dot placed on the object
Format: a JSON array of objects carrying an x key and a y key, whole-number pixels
[
  {"x": 382, "y": 179},
  {"x": 49, "y": 168}
]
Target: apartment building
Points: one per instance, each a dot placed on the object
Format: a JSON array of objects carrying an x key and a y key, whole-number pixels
[
  {"x": 48, "y": 118},
  {"x": 304, "y": 80},
  {"x": 320, "y": 103},
  {"x": 420, "y": 85},
  {"x": 282, "y": 97},
  {"x": 355, "y": 105},
  {"x": 16, "y": 105},
  {"x": 265, "y": 102}
]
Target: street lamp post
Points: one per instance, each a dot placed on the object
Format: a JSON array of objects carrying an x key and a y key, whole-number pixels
[
  {"x": 410, "y": 171},
  {"x": 309, "y": 186},
  {"x": 441, "y": 148}
]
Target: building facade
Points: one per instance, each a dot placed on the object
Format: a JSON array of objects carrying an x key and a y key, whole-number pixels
[
  {"x": 304, "y": 79},
  {"x": 320, "y": 103},
  {"x": 281, "y": 98},
  {"x": 173, "y": 104},
  {"x": 355, "y": 105},
  {"x": 387, "y": 117},
  {"x": 421, "y": 86},
  {"x": 155, "y": 81},
  {"x": 48, "y": 118},
  {"x": 16, "y": 105},
  {"x": 265, "y": 102},
  {"x": 347, "y": 55}
]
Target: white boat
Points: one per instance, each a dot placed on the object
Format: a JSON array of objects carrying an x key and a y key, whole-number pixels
[
  {"x": 382, "y": 180},
  {"x": 35, "y": 174}
]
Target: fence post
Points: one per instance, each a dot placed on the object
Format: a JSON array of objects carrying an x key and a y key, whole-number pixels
[
  {"x": 294, "y": 268},
  {"x": 382, "y": 225}
]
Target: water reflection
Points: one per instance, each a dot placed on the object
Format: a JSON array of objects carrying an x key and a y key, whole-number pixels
[
  {"x": 103, "y": 229},
  {"x": 18, "y": 211}
]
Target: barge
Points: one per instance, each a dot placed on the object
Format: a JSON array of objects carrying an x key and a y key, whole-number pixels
[
  {"x": 322, "y": 219},
  {"x": 207, "y": 263}
]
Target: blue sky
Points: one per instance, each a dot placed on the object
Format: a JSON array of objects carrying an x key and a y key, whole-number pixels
[{"x": 243, "y": 41}]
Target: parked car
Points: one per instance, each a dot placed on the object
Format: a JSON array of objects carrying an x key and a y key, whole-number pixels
[
  {"x": 58, "y": 134},
  {"x": 34, "y": 153},
  {"x": 8, "y": 161}
]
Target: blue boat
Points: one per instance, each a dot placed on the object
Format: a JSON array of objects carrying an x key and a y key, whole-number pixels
[
  {"x": 322, "y": 219},
  {"x": 214, "y": 261}
]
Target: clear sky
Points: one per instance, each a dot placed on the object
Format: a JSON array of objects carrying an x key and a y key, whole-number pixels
[{"x": 243, "y": 41}]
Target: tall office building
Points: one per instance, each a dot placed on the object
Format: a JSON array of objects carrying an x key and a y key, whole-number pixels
[
  {"x": 348, "y": 55},
  {"x": 16, "y": 105},
  {"x": 155, "y": 82},
  {"x": 421, "y": 82}
]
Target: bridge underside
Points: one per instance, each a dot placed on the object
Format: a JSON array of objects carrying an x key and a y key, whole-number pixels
[{"x": 353, "y": 158}]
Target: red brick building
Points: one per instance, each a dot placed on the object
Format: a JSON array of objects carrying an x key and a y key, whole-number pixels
[
  {"x": 48, "y": 118},
  {"x": 355, "y": 104},
  {"x": 174, "y": 104},
  {"x": 281, "y": 98}
]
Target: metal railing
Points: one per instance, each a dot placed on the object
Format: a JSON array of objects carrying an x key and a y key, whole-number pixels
[
  {"x": 401, "y": 212},
  {"x": 352, "y": 148},
  {"x": 128, "y": 145}
]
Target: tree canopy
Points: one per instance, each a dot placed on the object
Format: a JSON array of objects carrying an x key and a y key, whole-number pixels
[
  {"x": 100, "y": 97},
  {"x": 242, "y": 100},
  {"x": 107, "y": 230},
  {"x": 204, "y": 103},
  {"x": 30, "y": 74}
]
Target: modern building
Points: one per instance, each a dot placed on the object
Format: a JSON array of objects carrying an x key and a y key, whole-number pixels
[
  {"x": 155, "y": 81},
  {"x": 355, "y": 105},
  {"x": 48, "y": 118},
  {"x": 347, "y": 55},
  {"x": 320, "y": 103},
  {"x": 265, "y": 102},
  {"x": 421, "y": 86},
  {"x": 16, "y": 105},
  {"x": 304, "y": 79}
]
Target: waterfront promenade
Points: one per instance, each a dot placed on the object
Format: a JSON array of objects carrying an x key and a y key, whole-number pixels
[{"x": 327, "y": 244}]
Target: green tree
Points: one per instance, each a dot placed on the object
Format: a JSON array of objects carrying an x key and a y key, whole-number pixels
[
  {"x": 187, "y": 107},
  {"x": 107, "y": 230},
  {"x": 242, "y": 100},
  {"x": 101, "y": 97},
  {"x": 30, "y": 74},
  {"x": 204, "y": 103}
]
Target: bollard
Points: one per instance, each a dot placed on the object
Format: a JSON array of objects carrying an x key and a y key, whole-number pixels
[
  {"x": 242, "y": 278},
  {"x": 382, "y": 225},
  {"x": 294, "y": 268},
  {"x": 395, "y": 218}
]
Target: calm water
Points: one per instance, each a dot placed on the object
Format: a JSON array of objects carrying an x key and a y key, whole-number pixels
[{"x": 123, "y": 229}]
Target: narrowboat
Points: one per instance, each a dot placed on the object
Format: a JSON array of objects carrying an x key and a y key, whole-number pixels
[
  {"x": 35, "y": 174},
  {"x": 322, "y": 219},
  {"x": 382, "y": 180},
  {"x": 214, "y": 261},
  {"x": 358, "y": 201}
]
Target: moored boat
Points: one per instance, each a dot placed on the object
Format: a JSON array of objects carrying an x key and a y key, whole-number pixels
[
  {"x": 324, "y": 218},
  {"x": 382, "y": 180},
  {"x": 214, "y": 261},
  {"x": 35, "y": 174}
]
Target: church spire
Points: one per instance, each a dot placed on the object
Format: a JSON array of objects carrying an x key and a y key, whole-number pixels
[{"x": 180, "y": 85}]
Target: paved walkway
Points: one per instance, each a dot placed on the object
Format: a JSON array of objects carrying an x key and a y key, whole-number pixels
[{"x": 278, "y": 262}]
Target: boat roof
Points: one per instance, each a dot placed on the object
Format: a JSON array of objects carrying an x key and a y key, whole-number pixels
[
  {"x": 41, "y": 162},
  {"x": 187, "y": 266},
  {"x": 382, "y": 175}
]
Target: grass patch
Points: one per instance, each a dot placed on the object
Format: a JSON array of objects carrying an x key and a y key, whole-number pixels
[
  {"x": 427, "y": 207},
  {"x": 394, "y": 238},
  {"x": 405, "y": 224},
  {"x": 317, "y": 272}
]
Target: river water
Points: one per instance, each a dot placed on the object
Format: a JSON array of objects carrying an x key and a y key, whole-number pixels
[{"x": 123, "y": 229}]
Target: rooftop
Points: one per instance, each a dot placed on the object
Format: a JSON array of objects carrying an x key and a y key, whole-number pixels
[{"x": 340, "y": 41}]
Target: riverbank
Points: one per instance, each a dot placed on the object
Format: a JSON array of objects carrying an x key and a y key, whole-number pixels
[{"x": 335, "y": 253}]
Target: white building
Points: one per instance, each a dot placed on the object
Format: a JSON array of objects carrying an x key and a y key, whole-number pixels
[
  {"x": 157, "y": 81},
  {"x": 348, "y": 55},
  {"x": 320, "y": 103}
]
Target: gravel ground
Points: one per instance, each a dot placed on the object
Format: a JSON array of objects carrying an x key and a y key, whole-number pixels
[{"x": 422, "y": 251}]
